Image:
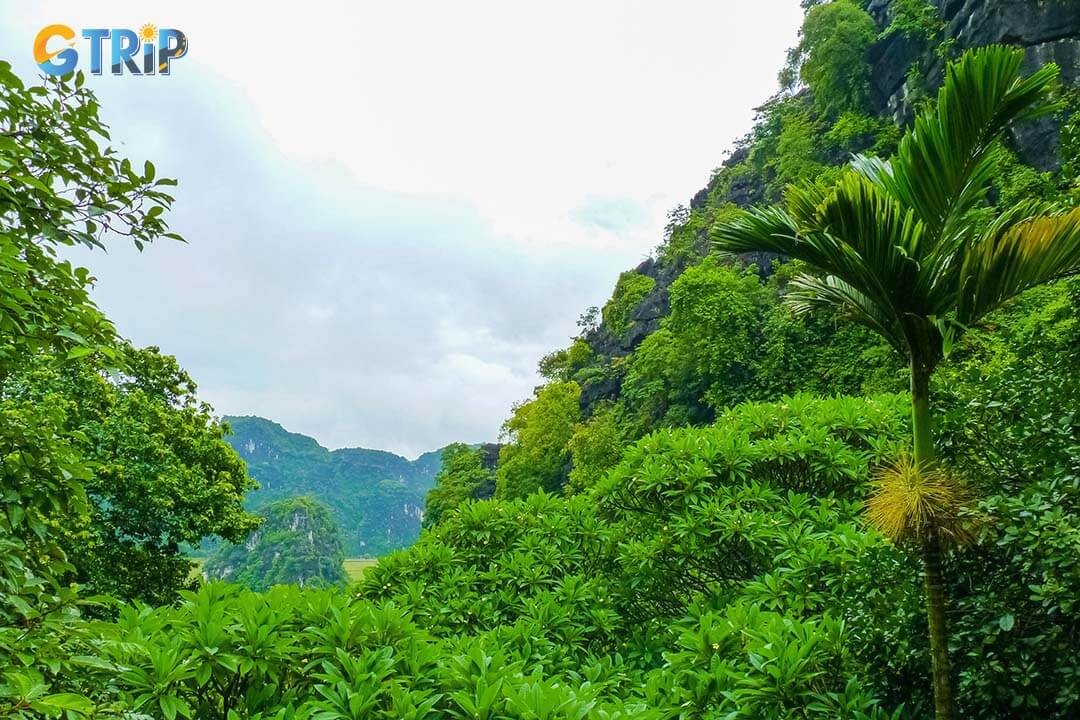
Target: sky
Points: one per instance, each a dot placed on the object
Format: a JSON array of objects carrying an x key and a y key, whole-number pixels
[{"x": 394, "y": 210}]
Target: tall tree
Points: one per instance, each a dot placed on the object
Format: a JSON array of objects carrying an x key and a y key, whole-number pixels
[
  {"x": 163, "y": 475},
  {"x": 60, "y": 185},
  {"x": 467, "y": 473},
  {"x": 910, "y": 247},
  {"x": 535, "y": 456}
]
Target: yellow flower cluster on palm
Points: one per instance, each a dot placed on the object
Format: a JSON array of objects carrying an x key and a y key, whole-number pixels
[{"x": 908, "y": 500}]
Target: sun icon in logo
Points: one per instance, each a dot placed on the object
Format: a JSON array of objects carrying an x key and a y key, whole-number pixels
[{"x": 148, "y": 33}]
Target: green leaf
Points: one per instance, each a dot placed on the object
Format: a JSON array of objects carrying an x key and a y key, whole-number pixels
[{"x": 59, "y": 703}]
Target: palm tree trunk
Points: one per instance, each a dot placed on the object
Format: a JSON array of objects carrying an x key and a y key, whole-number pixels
[
  {"x": 921, "y": 424},
  {"x": 944, "y": 702}
]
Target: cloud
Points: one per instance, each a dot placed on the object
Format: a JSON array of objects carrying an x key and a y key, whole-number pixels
[
  {"x": 613, "y": 214},
  {"x": 393, "y": 211}
]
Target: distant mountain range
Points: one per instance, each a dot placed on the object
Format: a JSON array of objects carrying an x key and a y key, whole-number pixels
[{"x": 375, "y": 497}]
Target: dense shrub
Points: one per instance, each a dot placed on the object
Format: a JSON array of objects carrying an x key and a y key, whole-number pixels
[
  {"x": 465, "y": 475},
  {"x": 710, "y": 561}
]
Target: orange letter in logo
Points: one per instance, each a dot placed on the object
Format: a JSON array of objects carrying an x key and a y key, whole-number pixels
[{"x": 68, "y": 56}]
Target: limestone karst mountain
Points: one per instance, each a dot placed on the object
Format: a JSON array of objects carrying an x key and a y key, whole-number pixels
[{"x": 376, "y": 498}]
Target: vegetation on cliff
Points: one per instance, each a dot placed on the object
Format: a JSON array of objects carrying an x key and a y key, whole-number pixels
[{"x": 297, "y": 543}]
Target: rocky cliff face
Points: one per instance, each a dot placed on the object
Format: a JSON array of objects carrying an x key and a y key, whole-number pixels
[{"x": 1048, "y": 30}]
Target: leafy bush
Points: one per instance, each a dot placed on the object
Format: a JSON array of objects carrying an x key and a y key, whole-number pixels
[
  {"x": 163, "y": 474},
  {"x": 719, "y": 570},
  {"x": 597, "y": 445},
  {"x": 466, "y": 474},
  {"x": 836, "y": 39}
]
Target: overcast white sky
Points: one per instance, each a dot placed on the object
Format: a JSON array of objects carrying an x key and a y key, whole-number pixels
[{"x": 393, "y": 210}]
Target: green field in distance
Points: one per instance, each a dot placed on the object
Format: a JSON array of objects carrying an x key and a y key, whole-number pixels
[{"x": 355, "y": 567}]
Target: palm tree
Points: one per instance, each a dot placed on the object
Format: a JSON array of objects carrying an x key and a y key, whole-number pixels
[{"x": 910, "y": 248}]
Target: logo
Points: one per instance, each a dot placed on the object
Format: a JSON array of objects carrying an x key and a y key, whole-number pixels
[{"x": 146, "y": 52}]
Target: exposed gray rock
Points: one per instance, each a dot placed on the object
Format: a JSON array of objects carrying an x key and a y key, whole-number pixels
[
  {"x": 889, "y": 63},
  {"x": 1016, "y": 22},
  {"x": 1048, "y": 30},
  {"x": 596, "y": 391}
]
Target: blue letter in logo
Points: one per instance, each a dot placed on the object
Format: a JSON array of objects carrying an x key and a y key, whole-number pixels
[
  {"x": 125, "y": 43},
  {"x": 171, "y": 44},
  {"x": 95, "y": 36}
]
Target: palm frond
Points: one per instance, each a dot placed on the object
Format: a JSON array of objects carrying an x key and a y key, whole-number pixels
[
  {"x": 1015, "y": 254},
  {"x": 852, "y": 230},
  {"x": 880, "y": 232},
  {"x": 809, "y": 293},
  {"x": 762, "y": 229},
  {"x": 803, "y": 201},
  {"x": 943, "y": 164},
  {"x": 897, "y": 240}
]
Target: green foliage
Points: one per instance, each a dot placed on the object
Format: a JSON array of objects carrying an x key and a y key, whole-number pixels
[
  {"x": 60, "y": 188},
  {"x": 723, "y": 543},
  {"x": 297, "y": 542},
  {"x": 720, "y": 571},
  {"x": 918, "y": 20},
  {"x": 832, "y": 55},
  {"x": 229, "y": 653},
  {"x": 1069, "y": 139},
  {"x": 700, "y": 358},
  {"x": 630, "y": 290},
  {"x": 597, "y": 445},
  {"x": 1024, "y": 613},
  {"x": 535, "y": 456},
  {"x": 819, "y": 353},
  {"x": 60, "y": 185},
  {"x": 855, "y": 132},
  {"x": 729, "y": 338},
  {"x": 919, "y": 220},
  {"x": 796, "y": 159},
  {"x": 745, "y": 662},
  {"x": 909, "y": 248},
  {"x": 680, "y": 234},
  {"x": 787, "y": 145},
  {"x": 703, "y": 571},
  {"x": 706, "y": 509},
  {"x": 563, "y": 365},
  {"x": 162, "y": 474},
  {"x": 1010, "y": 424},
  {"x": 465, "y": 475}
]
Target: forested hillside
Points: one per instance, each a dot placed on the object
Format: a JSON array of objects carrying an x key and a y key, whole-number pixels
[
  {"x": 376, "y": 498},
  {"x": 818, "y": 458},
  {"x": 688, "y": 332},
  {"x": 297, "y": 542}
]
